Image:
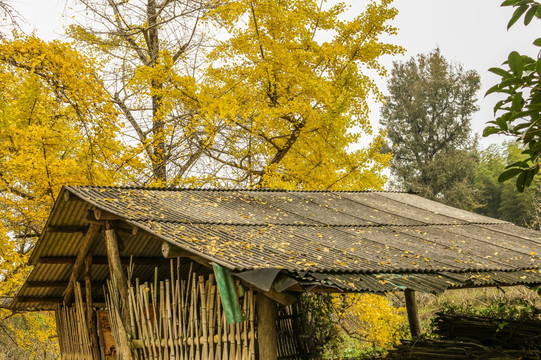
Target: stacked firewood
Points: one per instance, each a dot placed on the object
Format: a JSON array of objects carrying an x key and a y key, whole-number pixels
[
  {"x": 509, "y": 334},
  {"x": 427, "y": 349},
  {"x": 475, "y": 337}
]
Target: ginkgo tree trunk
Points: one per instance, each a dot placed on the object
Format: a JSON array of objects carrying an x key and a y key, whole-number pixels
[{"x": 151, "y": 48}]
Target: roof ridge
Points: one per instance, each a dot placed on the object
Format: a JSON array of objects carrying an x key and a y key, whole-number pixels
[
  {"x": 170, "y": 188},
  {"x": 220, "y": 223}
]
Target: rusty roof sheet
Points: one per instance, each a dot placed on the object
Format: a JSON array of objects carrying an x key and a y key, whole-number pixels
[{"x": 352, "y": 240}]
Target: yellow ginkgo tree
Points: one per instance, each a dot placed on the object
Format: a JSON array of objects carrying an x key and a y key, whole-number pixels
[
  {"x": 57, "y": 127},
  {"x": 287, "y": 94},
  {"x": 280, "y": 100}
]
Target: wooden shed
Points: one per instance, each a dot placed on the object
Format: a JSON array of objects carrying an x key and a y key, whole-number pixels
[{"x": 203, "y": 274}]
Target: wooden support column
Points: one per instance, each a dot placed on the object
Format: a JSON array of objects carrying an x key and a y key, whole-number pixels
[
  {"x": 86, "y": 243},
  {"x": 90, "y": 319},
  {"x": 413, "y": 314},
  {"x": 115, "y": 269},
  {"x": 267, "y": 312}
]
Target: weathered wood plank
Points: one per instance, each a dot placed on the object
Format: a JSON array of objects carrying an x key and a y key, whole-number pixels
[
  {"x": 267, "y": 313},
  {"x": 86, "y": 243},
  {"x": 413, "y": 313},
  {"x": 115, "y": 269},
  {"x": 102, "y": 260}
]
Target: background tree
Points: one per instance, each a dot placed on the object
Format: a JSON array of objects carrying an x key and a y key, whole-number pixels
[
  {"x": 427, "y": 117},
  {"x": 519, "y": 113},
  {"x": 501, "y": 200}
]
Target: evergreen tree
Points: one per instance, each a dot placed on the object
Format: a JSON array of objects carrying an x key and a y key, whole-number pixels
[{"x": 427, "y": 115}]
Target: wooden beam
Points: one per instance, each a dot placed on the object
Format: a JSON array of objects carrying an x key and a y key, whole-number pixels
[
  {"x": 67, "y": 229},
  {"x": 47, "y": 284},
  {"x": 102, "y": 215},
  {"x": 267, "y": 312},
  {"x": 115, "y": 269},
  {"x": 57, "y": 284},
  {"x": 56, "y": 260},
  {"x": 413, "y": 314},
  {"x": 86, "y": 243},
  {"x": 51, "y": 300},
  {"x": 283, "y": 298},
  {"x": 70, "y": 197},
  {"x": 172, "y": 251},
  {"x": 102, "y": 260},
  {"x": 41, "y": 300}
]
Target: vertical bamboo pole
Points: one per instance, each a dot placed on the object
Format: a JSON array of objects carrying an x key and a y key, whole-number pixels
[
  {"x": 90, "y": 320},
  {"x": 157, "y": 332},
  {"x": 245, "y": 329},
  {"x": 219, "y": 327},
  {"x": 252, "y": 327},
  {"x": 164, "y": 335},
  {"x": 183, "y": 320},
  {"x": 192, "y": 323},
  {"x": 196, "y": 318},
  {"x": 232, "y": 348},
  {"x": 212, "y": 313},
  {"x": 225, "y": 353},
  {"x": 204, "y": 333},
  {"x": 168, "y": 312},
  {"x": 144, "y": 294}
]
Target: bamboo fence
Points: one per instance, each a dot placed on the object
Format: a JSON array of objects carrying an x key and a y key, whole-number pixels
[{"x": 180, "y": 319}]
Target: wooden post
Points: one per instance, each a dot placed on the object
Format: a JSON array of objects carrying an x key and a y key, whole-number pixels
[
  {"x": 413, "y": 314},
  {"x": 79, "y": 261},
  {"x": 90, "y": 320},
  {"x": 115, "y": 269},
  {"x": 267, "y": 312}
]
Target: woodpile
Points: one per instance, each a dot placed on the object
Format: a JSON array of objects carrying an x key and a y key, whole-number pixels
[
  {"x": 509, "y": 334},
  {"x": 475, "y": 337},
  {"x": 427, "y": 349}
]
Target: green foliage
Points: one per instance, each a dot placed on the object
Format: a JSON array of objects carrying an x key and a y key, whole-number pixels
[
  {"x": 353, "y": 349},
  {"x": 503, "y": 308},
  {"x": 316, "y": 328},
  {"x": 427, "y": 117},
  {"x": 500, "y": 200},
  {"x": 518, "y": 114}
]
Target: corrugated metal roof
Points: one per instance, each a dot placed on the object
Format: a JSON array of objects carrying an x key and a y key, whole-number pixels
[
  {"x": 428, "y": 283},
  {"x": 363, "y": 232},
  {"x": 352, "y": 238}
]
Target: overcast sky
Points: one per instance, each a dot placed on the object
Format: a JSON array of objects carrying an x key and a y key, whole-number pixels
[{"x": 472, "y": 32}]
